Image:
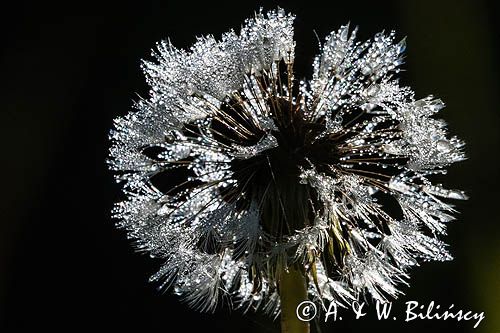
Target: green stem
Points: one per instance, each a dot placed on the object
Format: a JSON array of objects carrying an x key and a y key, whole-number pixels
[{"x": 293, "y": 291}]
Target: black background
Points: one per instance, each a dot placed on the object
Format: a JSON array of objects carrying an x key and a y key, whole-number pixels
[{"x": 68, "y": 70}]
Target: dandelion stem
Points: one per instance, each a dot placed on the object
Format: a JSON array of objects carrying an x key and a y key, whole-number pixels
[{"x": 293, "y": 291}]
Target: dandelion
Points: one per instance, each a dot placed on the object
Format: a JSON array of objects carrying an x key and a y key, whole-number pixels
[{"x": 262, "y": 190}]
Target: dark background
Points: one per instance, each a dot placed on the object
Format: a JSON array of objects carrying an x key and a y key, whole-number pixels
[{"x": 68, "y": 70}]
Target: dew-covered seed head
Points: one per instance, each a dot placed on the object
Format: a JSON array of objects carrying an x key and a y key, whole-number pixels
[{"x": 233, "y": 169}]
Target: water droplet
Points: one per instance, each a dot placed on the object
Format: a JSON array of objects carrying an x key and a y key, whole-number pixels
[
  {"x": 436, "y": 105},
  {"x": 402, "y": 45},
  {"x": 444, "y": 146},
  {"x": 169, "y": 138},
  {"x": 366, "y": 70},
  {"x": 368, "y": 106},
  {"x": 420, "y": 103},
  {"x": 373, "y": 90},
  {"x": 345, "y": 33},
  {"x": 459, "y": 195}
]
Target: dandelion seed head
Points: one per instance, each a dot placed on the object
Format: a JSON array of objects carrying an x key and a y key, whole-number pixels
[{"x": 233, "y": 169}]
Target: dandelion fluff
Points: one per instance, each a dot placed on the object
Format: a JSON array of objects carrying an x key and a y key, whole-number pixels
[{"x": 233, "y": 169}]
